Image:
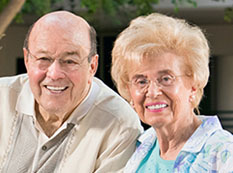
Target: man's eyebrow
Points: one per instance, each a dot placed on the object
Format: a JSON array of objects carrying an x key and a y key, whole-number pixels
[
  {"x": 71, "y": 53},
  {"x": 41, "y": 52},
  {"x": 65, "y": 53}
]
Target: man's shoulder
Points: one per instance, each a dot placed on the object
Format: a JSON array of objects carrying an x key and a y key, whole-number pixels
[
  {"x": 111, "y": 104},
  {"x": 10, "y": 88},
  {"x": 13, "y": 81},
  {"x": 105, "y": 90},
  {"x": 108, "y": 99}
]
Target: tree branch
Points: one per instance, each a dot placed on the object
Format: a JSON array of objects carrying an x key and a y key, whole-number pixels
[{"x": 8, "y": 14}]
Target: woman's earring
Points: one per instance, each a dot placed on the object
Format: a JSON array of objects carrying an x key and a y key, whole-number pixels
[
  {"x": 131, "y": 103},
  {"x": 193, "y": 95},
  {"x": 192, "y": 98}
]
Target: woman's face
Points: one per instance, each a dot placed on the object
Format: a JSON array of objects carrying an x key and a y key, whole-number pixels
[{"x": 160, "y": 90}]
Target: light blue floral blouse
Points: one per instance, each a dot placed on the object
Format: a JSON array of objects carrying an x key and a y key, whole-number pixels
[{"x": 209, "y": 149}]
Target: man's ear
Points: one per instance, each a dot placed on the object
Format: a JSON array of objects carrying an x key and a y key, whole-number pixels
[
  {"x": 25, "y": 54},
  {"x": 94, "y": 64}
]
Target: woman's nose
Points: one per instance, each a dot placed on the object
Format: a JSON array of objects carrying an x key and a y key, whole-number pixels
[{"x": 153, "y": 90}]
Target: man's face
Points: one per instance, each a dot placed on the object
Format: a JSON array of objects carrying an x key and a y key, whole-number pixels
[{"x": 58, "y": 68}]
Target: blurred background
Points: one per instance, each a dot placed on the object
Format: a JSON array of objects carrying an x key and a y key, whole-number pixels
[{"x": 110, "y": 17}]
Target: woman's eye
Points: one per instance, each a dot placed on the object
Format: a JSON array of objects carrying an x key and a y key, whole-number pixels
[
  {"x": 166, "y": 79},
  {"x": 142, "y": 82}
]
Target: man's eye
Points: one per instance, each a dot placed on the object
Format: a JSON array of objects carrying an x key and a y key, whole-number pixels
[
  {"x": 69, "y": 62},
  {"x": 44, "y": 59}
]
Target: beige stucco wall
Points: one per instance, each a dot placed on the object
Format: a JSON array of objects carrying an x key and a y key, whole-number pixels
[
  {"x": 225, "y": 83},
  {"x": 225, "y": 90},
  {"x": 11, "y": 44},
  {"x": 220, "y": 38}
]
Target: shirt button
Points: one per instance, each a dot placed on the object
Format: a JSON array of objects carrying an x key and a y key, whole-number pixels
[{"x": 44, "y": 147}]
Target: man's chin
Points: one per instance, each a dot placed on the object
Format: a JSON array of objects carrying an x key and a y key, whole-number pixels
[{"x": 55, "y": 109}]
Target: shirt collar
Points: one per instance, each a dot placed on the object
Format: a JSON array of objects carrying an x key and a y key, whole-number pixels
[
  {"x": 149, "y": 135},
  {"x": 85, "y": 105},
  {"x": 209, "y": 125},
  {"x": 194, "y": 144},
  {"x": 25, "y": 102}
]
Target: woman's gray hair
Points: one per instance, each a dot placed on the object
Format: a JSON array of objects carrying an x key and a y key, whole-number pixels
[{"x": 158, "y": 34}]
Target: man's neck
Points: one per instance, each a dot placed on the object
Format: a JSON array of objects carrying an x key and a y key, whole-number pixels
[
  {"x": 49, "y": 126},
  {"x": 50, "y": 123}
]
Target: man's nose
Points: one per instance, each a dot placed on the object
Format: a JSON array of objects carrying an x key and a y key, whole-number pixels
[{"x": 55, "y": 70}]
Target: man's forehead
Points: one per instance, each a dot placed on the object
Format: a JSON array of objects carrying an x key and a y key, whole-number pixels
[
  {"x": 53, "y": 26},
  {"x": 67, "y": 22},
  {"x": 63, "y": 17}
]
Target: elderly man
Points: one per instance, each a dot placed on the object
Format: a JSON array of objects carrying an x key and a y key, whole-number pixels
[{"x": 58, "y": 117}]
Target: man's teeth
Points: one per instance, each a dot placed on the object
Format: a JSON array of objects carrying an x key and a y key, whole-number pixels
[
  {"x": 56, "y": 88},
  {"x": 157, "y": 106}
]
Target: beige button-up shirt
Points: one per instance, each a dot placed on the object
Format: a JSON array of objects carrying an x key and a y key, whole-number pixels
[{"x": 100, "y": 136}]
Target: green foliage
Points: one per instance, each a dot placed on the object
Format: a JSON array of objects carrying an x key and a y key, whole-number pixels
[
  {"x": 110, "y": 7},
  {"x": 177, "y": 3},
  {"x": 37, "y": 7},
  {"x": 3, "y": 4},
  {"x": 143, "y": 7},
  {"x": 91, "y": 5},
  {"x": 228, "y": 15}
]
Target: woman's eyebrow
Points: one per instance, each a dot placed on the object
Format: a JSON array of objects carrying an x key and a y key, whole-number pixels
[{"x": 138, "y": 76}]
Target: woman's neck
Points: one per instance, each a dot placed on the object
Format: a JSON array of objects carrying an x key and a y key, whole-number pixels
[{"x": 173, "y": 137}]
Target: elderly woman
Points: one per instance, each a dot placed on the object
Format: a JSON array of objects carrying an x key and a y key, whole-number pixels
[{"x": 160, "y": 65}]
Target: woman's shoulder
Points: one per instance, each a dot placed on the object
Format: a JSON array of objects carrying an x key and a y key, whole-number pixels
[
  {"x": 221, "y": 136},
  {"x": 216, "y": 133},
  {"x": 212, "y": 134},
  {"x": 220, "y": 145}
]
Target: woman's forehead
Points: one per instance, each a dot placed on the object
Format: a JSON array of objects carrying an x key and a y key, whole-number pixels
[{"x": 160, "y": 64}]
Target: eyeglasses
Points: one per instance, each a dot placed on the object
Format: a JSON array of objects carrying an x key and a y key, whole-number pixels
[
  {"x": 68, "y": 63},
  {"x": 141, "y": 83}
]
